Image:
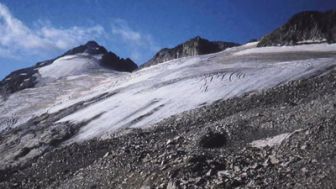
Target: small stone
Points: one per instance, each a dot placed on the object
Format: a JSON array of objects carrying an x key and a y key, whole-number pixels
[
  {"x": 251, "y": 183},
  {"x": 198, "y": 180},
  {"x": 15, "y": 184},
  {"x": 107, "y": 153},
  {"x": 162, "y": 185},
  {"x": 304, "y": 170},
  {"x": 169, "y": 142},
  {"x": 285, "y": 164},
  {"x": 224, "y": 173},
  {"x": 164, "y": 167},
  {"x": 236, "y": 182},
  {"x": 256, "y": 166},
  {"x": 145, "y": 187},
  {"x": 210, "y": 173},
  {"x": 177, "y": 138},
  {"x": 236, "y": 169},
  {"x": 303, "y": 147},
  {"x": 274, "y": 160}
]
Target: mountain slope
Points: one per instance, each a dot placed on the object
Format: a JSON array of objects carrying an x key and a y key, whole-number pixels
[
  {"x": 192, "y": 47},
  {"x": 78, "y": 108},
  {"x": 304, "y": 27},
  {"x": 85, "y": 58},
  {"x": 283, "y": 137}
]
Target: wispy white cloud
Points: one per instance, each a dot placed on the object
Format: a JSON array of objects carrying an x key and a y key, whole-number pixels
[
  {"x": 137, "y": 42},
  {"x": 17, "y": 39}
]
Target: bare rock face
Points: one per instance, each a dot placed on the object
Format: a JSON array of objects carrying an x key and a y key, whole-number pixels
[
  {"x": 112, "y": 61},
  {"x": 21, "y": 79},
  {"x": 304, "y": 27},
  {"x": 193, "y": 47},
  {"x": 109, "y": 59}
]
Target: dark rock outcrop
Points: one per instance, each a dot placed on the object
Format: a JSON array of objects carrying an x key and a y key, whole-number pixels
[
  {"x": 304, "y": 27},
  {"x": 27, "y": 77},
  {"x": 112, "y": 61},
  {"x": 192, "y": 47},
  {"x": 109, "y": 59},
  {"x": 21, "y": 79},
  {"x": 213, "y": 139}
]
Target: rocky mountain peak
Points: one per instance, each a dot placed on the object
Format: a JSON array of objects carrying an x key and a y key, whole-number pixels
[
  {"x": 92, "y": 43},
  {"x": 27, "y": 77},
  {"x": 192, "y": 47},
  {"x": 304, "y": 27},
  {"x": 197, "y": 38},
  {"x": 91, "y": 47}
]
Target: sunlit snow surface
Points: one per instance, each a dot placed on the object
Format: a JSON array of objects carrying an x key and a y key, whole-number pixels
[
  {"x": 145, "y": 97},
  {"x": 70, "y": 65},
  {"x": 323, "y": 47}
]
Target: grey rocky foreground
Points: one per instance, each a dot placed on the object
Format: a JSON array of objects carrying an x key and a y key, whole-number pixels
[{"x": 209, "y": 147}]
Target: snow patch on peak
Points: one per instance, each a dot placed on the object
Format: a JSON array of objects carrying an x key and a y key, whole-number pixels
[
  {"x": 251, "y": 44},
  {"x": 70, "y": 65}
]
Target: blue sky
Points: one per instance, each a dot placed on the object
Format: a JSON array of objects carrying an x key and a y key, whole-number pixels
[{"x": 35, "y": 30}]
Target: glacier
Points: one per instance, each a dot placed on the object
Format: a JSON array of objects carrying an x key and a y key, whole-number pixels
[{"x": 143, "y": 98}]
